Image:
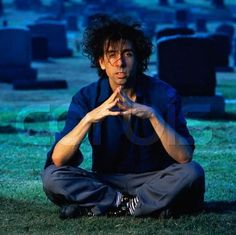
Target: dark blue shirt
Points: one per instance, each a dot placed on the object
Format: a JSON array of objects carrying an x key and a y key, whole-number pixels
[{"x": 122, "y": 146}]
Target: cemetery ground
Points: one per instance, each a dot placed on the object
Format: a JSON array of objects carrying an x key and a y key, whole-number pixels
[{"x": 28, "y": 122}]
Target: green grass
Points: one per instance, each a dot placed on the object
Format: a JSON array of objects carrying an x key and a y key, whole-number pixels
[
  {"x": 25, "y": 140},
  {"x": 25, "y": 209}
]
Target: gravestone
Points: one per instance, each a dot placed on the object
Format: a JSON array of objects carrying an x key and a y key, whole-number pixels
[
  {"x": 163, "y": 2},
  {"x": 40, "y": 85},
  {"x": 72, "y": 22},
  {"x": 222, "y": 47},
  {"x": 1, "y": 8},
  {"x": 227, "y": 29},
  {"x": 22, "y": 4},
  {"x": 179, "y": 1},
  {"x": 4, "y": 23},
  {"x": 28, "y": 4},
  {"x": 181, "y": 17},
  {"x": 174, "y": 31},
  {"x": 59, "y": 6},
  {"x": 55, "y": 32},
  {"x": 218, "y": 3},
  {"x": 201, "y": 25},
  {"x": 36, "y": 4},
  {"x": 15, "y": 55},
  {"x": 39, "y": 47},
  {"x": 187, "y": 63}
]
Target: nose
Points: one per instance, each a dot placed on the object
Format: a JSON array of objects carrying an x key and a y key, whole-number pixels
[{"x": 120, "y": 62}]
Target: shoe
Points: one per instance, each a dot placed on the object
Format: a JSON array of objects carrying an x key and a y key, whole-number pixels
[
  {"x": 74, "y": 211},
  {"x": 122, "y": 209},
  {"x": 165, "y": 214},
  {"x": 132, "y": 205}
]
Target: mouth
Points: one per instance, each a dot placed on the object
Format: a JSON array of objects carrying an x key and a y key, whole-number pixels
[{"x": 121, "y": 75}]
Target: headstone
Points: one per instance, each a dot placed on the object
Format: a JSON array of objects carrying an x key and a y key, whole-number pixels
[
  {"x": 201, "y": 25},
  {"x": 234, "y": 51},
  {"x": 22, "y": 4},
  {"x": 36, "y": 4},
  {"x": 58, "y": 8},
  {"x": 40, "y": 85},
  {"x": 163, "y": 2},
  {"x": 174, "y": 31},
  {"x": 4, "y": 23},
  {"x": 218, "y": 3},
  {"x": 1, "y": 8},
  {"x": 179, "y": 1},
  {"x": 72, "y": 22},
  {"x": 55, "y": 32},
  {"x": 222, "y": 47},
  {"x": 15, "y": 55},
  {"x": 182, "y": 17},
  {"x": 203, "y": 106},
  {"x": 187, "y": 63},
  {"x": 28, "y": 4},
  {"x": 227, "y": 29},
  {"x": 39, "y": 47}
]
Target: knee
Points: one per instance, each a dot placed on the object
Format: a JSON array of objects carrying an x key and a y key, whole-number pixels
[
  {"x": 50, "y": 179},
  {"x": 194, "y": 172}
]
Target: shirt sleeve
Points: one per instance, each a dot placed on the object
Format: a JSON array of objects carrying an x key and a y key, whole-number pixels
[
  {"x": 175, "y": 118},
  {"x": 77, "y": 110}
]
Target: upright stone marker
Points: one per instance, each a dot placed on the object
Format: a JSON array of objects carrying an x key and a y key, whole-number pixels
[
  {"x": 222, "y": 49},
  {"x": 1, "y": 8},
  {"x": 163, "y": 2},
  {"x": 201, "y": 25},
  {"x": 181, "y": 17},
  {"x": 187, "y": 63},
  {"x": 174, "y": 31},
  {"x": 179, "y": 1},
  {"x": 227, "y": 29},
  {"x": 15, "y": 55},
  {"x": 39, "y": 47},
  {"x": 218, "y": 3},
  {"x": 55, "y": 32},
  {"x": 22, "y": 4},
  {"x": 72, "y": 22}
]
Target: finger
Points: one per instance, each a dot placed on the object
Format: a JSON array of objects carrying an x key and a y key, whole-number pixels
[
  {"x": 126, "y": 112},
  {"x": 114, "y": 113},
  {"x": 114, "y": 94},
  {"x": 112, "y": 104},
  {"x": 122, "y": 106}
]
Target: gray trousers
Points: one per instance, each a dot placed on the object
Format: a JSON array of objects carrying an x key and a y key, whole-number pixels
[{"x": 179, "y": 186}]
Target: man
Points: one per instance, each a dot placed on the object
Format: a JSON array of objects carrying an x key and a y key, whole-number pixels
[{"x": 141, "y": 147}]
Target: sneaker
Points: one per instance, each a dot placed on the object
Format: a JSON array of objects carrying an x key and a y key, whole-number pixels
[
  {"x": 122, "y": 209},
  {"x": 74, "y": 211},
  {"x": 132, "y": 205}
]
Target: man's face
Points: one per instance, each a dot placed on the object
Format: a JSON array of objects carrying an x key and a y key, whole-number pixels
[{"x": 119, "y": 62}]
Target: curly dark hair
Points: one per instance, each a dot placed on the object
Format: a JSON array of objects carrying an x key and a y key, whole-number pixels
[{"x": 103, "y": 29}]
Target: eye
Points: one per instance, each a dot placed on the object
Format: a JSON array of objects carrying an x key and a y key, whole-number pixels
[
  {"x": 111, "y": 55},
  {"x": 128, "y": 54}
]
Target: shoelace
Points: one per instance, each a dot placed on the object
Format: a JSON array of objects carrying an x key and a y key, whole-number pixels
[{"x": 132, "y": 205}]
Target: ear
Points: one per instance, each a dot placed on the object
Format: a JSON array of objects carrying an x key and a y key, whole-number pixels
[{"x": 101, "y": 62}]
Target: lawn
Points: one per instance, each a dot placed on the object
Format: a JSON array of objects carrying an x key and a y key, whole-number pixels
[
  {"x": 28, "y": 120},
  {"x": 24, "y": 208}
]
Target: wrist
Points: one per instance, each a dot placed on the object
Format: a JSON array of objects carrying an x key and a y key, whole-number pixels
[
  {"x": 152, "y": 114},
  {"x": 88, "y": 118}
]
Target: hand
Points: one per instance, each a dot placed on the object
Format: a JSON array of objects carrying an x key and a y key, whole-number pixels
[
  {"x": 104, "y": 109},
  {"x": 130, "y": 107}
]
